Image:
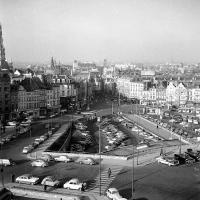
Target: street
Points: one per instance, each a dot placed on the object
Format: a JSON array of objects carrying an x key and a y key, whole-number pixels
[
  {"x": 157, "y": 181},
  {"x": 152, "y": 182}
]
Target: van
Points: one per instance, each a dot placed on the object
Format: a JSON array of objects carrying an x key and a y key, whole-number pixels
[{"x": 7, "y": 162}]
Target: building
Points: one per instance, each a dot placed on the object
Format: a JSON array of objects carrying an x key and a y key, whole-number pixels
[
  {"x": 171, "y": 93},
  {"x": 67, "y": 90},
  {"x": 37, "y": 98},
  {"x": 5, "y": 104},
  {"x": 129, "y": 88}
]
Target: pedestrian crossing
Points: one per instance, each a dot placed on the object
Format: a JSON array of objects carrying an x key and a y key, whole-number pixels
[{"x": 106, "y": 180}]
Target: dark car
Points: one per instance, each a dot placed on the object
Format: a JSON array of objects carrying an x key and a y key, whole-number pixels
[
  {"x": 194, "y": 155},
  {"x": 184, "y": 158},
  {"x": 180, "y": 158}
]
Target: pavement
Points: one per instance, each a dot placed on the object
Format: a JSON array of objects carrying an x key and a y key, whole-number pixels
[
  {"x": 114, "y": 164},
  {"x": 152, "y": 127}
]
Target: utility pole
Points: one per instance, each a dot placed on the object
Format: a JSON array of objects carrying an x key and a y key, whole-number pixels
[
  {"x": 112, "y": 107},
  {"x": 180, "y": 144},
  {"x": 99, "y": 121},
  {"x": 119, "y": 102}
]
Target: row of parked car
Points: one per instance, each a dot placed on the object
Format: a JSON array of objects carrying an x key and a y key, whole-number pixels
[
  {"x": 188, "y": 157},
  {"x": 74, "y": 183},
  {"x": 45, "y": 159},
  {"x": 37, "y": 142},
  {"x": 113, "y": 135},
  {"x": 11, "y": 137}
]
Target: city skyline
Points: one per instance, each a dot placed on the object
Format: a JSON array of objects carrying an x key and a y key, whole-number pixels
[{"x": 130, "y": 31}]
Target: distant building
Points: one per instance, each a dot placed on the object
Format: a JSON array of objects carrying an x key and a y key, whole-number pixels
[
  {"x": 129, "y": 88},
  {"x": 37, "y": 98},
  {"x": 147, "y": 73},
  {"x": 5, "y": 104}
]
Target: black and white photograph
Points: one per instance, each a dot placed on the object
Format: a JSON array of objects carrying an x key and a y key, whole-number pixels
[{"x": 100, "y": 99}]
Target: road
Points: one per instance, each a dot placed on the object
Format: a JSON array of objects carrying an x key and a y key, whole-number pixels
[
  {"x": 157, "y": 181},
  {"x": 152, "y": 127},
  {"x": 152, "y": 182}
]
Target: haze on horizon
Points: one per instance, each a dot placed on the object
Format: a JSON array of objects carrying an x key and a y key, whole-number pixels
[{"x": 119, "y": 30}]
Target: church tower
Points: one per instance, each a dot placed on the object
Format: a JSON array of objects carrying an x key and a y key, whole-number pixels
[{"x": 2, "y": 50}]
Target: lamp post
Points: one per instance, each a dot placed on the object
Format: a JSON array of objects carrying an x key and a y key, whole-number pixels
[
  {"x": 99, "y": 120},
  {"x": 50, "y": 122},
  {"x": 119, "y": 102},
  {"x": 180, "y": 145},
  {"x": 112, "y": 107}
]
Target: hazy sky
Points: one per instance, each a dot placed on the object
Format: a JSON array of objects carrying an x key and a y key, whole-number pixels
[{"x": 119, "y": 30}]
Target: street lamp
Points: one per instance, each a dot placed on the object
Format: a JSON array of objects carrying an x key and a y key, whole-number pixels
[
  {"x": 50, "y": 123},
  {"x": 180, "y": 144},
  {"x": 99, "y": 120}
]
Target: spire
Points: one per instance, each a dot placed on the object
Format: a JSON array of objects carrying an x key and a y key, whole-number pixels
[
  {"x": 52, "y": 63},
  {"x": 2, "y": 49}
]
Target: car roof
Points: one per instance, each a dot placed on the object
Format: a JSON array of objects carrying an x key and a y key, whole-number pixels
[
  {"x": 74, "y": 180},
  {"x": 39, "y": 160},
  {"x": 27, "y": 175},
  {"x": 88, "y": 158},
  {"x": 50, "y": 177},
  {"x": 113, "y": 189}
]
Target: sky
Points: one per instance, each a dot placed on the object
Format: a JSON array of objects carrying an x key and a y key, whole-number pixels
[{"x": 92, "y": 30}]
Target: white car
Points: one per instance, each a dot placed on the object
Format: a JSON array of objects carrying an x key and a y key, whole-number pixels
[
  {"x": 46, "y": 157},
  {"x": 195, "y": 121},
  {"x": 38, "y": 141},
  {"x": 43, "y": 138},
  {"x": 27, "y": 149},
  {"x": 73, "y": 184},
  {"x": 39, "y": 163},
  {"x": 86, "y": 161},
  {"x": 167, "y": 161},
  {"x": 113, "y": 193},
  {"x": 7, "y": 162},
  {"x": 12, "y": 123},
  {"x": 28, "y": 179},
  {"x": 50, "y": 181},
  {"x": 63, "y": 159}
]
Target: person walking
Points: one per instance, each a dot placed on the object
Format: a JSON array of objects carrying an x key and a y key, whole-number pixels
[{"x": 109, "y": 172}]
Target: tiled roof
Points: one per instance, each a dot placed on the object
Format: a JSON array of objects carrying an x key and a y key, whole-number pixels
[{"x": 31, "y": 84}]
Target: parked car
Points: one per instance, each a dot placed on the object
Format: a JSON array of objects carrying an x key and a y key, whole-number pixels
[
  {"x": 39, "y": 163},
  {"x": 25, "y": 123},
  {"x": 7, "y": 162},
  {"x": 167, "y": 160},
  {"x": 43, "y": 138},
  {"x": 86, "y": 161},
  {"x": 113, "y": 193},
  {"x": 184, "y": 159},
  {"x": 34, "y": 144},
  {"x": 63, "y": 159},
  {"x": 38, "y": 141},
  {"x": 27, "y": 149},
  {"x": 74, "y": 184},
  {"x": 27, "y": 179},
  {"x": 12, "y": 123},
  {"x": 8, "y": 139},
  {"x": 47, "y": 135},
  {"x": 192, "y": 154},
  {"x": 50, "y": 133},
  {"x": 47, "y": 157},
  {"x": 50, "y": 181},
  {"x": 14, "y": 136}
]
